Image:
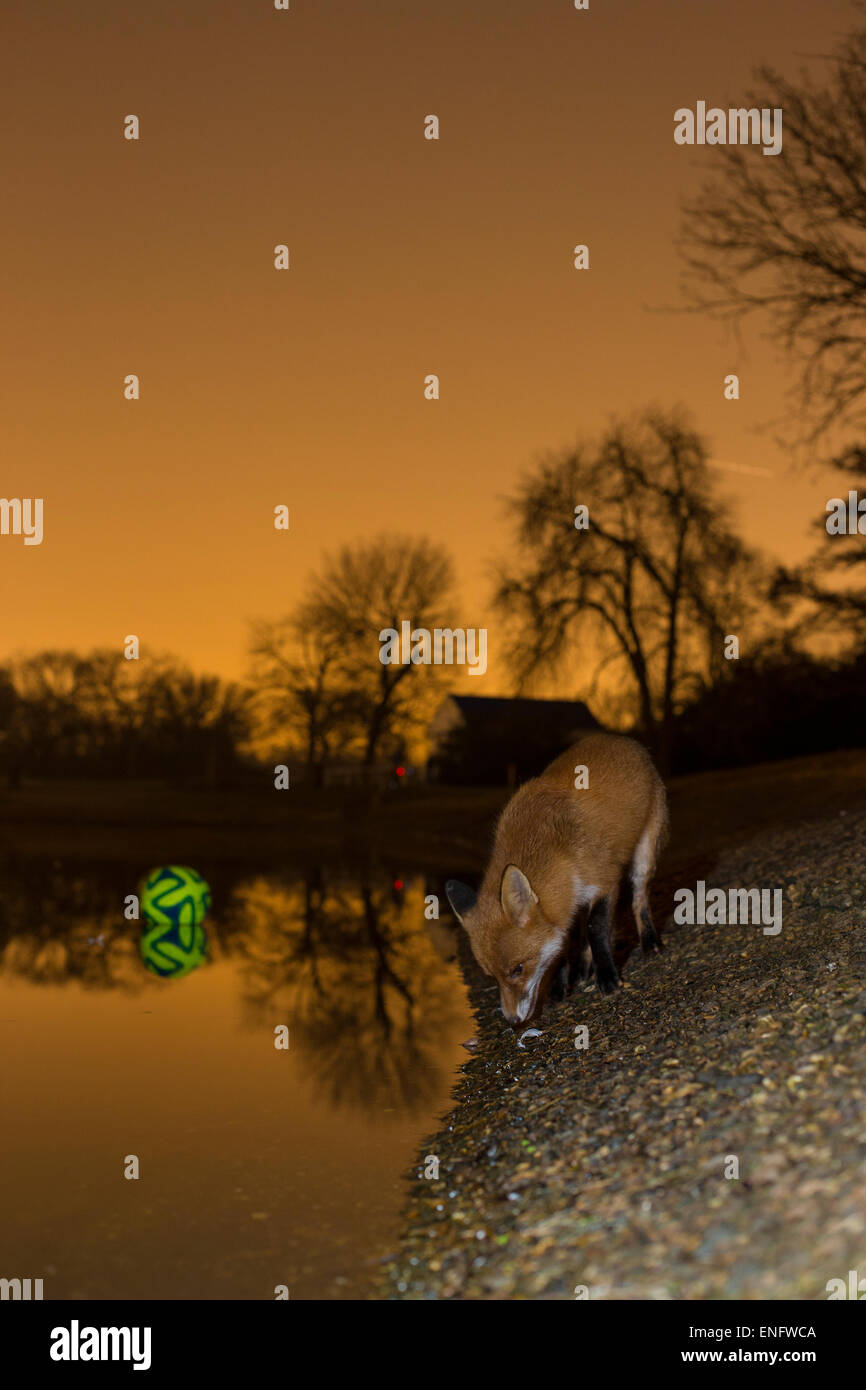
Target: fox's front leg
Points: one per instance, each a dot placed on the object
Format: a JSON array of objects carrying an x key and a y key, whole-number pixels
[
  {"x": 559, "y": 987},
  {"x": 579, "y": 958},
  {"x": 598, "y": 934}
]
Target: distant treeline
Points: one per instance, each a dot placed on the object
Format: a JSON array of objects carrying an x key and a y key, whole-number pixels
[
  {"x": 774, "y": 707},
  {"x": 100, "y": 716},
  {"x": 685, "y": 635},
  {"x": 196, "y": 730}
]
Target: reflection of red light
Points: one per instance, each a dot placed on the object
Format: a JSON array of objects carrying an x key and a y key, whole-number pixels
[
  {"x": 401, "y": 772},
  {"x": 398, "y": 883}
]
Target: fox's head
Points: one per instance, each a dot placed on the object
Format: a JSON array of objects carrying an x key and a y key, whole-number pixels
[{"x": 512, "y": 940}]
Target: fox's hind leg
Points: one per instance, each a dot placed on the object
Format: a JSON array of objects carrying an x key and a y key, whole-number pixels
[
  {"x": 641, "y": 870},
  {"x": 598, "y": 934}
]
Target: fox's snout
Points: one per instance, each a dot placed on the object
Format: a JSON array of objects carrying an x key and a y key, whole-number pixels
[
  {"x": 522, "y": 1006},
  {"x": 510, "y": 1007},
  {"x": 516, "y": 1022}
]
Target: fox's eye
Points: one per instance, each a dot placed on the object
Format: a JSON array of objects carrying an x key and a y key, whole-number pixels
[{"x": 518, "y": 970}]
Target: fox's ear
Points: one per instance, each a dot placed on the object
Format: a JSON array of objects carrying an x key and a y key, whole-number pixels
[
  {"x": 516, "y": 895},
  {"x": 461, "y": 898}
]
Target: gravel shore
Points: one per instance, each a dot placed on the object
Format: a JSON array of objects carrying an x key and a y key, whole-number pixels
[{"x": 604, "y": 1168}]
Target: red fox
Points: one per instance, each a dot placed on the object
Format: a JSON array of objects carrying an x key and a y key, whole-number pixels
[{"x": 559, "y": 855}]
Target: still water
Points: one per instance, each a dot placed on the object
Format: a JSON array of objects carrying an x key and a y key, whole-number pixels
[{"x": 259, "y": 1167}]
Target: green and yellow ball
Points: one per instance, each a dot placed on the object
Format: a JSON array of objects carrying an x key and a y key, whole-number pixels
[{"x": 174, "y": 902}]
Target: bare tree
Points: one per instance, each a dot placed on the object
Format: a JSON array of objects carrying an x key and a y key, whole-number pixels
[
  {"x": 363, "y": 590},
  {"x": 296, "y": 674},
  {"x": 651, "y": 583},
  {"x": 831, "y": 582},
  {"x": 117, "y": 701},
  {"x": 786, "y": 236},
  {"x": 47, "y": 719},
  {"x": 200, "y": 720},
  {"x": 99, "y": 713}
]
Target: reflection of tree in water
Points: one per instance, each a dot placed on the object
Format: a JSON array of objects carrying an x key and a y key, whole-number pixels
[
  {"x": 56, "y": 926},
  {"x": 354, "y": 974},
  {"x": 349, "y": 966}
]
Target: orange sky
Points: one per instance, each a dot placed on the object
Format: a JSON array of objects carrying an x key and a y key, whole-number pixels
[{"x": 408, "y": 257}]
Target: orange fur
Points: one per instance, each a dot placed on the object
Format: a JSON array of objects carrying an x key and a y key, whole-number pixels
[{"x": 559, "y": 855}]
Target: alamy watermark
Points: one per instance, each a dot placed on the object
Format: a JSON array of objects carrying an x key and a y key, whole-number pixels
[
  {"x": 854, "y": 1288},
  {"x": 738, "y": 125},
  {"x": 736, "y": 907},
  {"x": 443, "y": 646},
  {"x": 846, "y": 517},
  {"x": 21, "y": 1289},
  {"x": 22, "y": 516},
  {"x": 76, "y": 1343}
]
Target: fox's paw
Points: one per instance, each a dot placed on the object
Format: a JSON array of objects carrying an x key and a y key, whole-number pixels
[
  {"x": 608, "y": 982},
  {"x": 651, "y": 945},
  {"x": 649, "y": 938}
]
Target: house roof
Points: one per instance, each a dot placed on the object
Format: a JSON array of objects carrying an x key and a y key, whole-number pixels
[{"x": 566, "y": 714}]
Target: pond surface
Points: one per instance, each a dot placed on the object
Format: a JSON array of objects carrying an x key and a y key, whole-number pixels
[{"x": 259, "y": 1167}]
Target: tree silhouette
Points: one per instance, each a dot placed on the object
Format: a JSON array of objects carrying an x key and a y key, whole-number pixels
[
  {"x": 297, "y": 678},
  {"x": 832, "y": 582},
  {"x": 369, "y": 587},
  {"x": 786, "y": 236},
  {"x": 654, "y": 581},
  {"x": 62, "y": 713},
  {"x": 319, "y": 669}
]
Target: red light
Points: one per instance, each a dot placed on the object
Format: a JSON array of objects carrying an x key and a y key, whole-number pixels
[
  {"x": 401, "y": 772},
  {"x": 398, "y": 883}
]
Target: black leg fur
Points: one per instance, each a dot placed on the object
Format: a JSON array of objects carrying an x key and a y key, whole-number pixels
[
  {"x": 598, "y": 934},
  {"x": 649, "y": 938}
]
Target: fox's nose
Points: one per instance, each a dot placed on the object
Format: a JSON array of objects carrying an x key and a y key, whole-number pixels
[{"x": 512, "y": 1020}]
